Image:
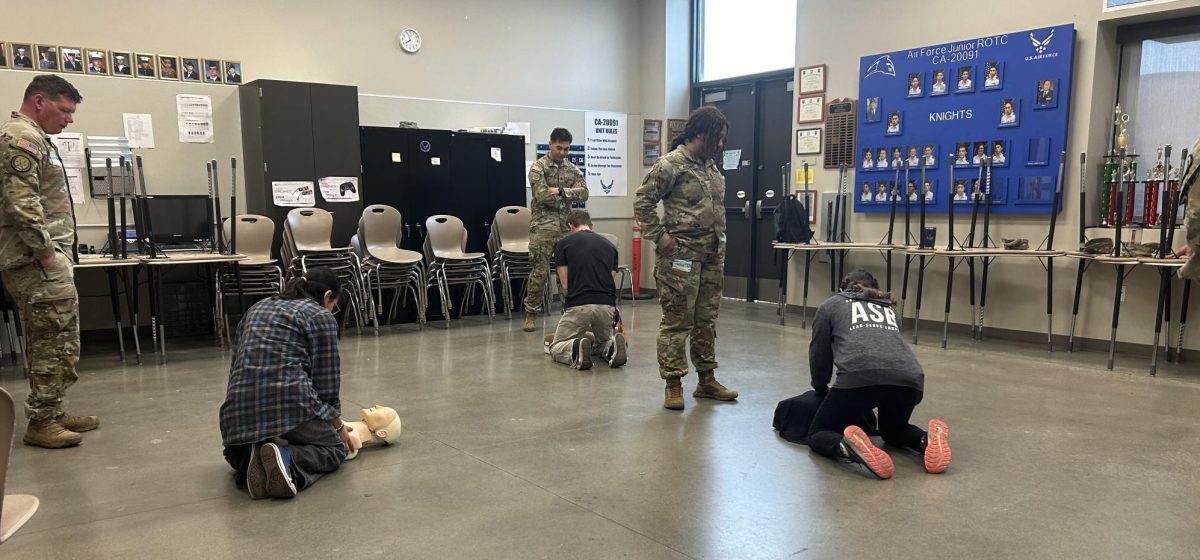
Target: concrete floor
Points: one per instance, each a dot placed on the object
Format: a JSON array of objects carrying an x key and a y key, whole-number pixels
[{"x": 506, "y": 455}]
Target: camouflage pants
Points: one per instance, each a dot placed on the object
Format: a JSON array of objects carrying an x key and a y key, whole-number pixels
[
  {"x": 690, "y": 300},
  {"x": 50, "y": 308},
  {"x": 541, "y": 250},
  {"x": 593, "y": 318},
  {"x": 1191, "y": 270}
]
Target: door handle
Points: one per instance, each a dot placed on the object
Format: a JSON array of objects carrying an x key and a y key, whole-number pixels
[
  {"x": 746, "y": 210},
  {"x": 758, "y": 209}
]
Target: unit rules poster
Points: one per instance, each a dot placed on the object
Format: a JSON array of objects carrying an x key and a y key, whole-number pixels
[{"x": 605, "y": 153}]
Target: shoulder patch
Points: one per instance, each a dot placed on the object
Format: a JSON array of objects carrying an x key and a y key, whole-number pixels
[
  {"x": 29, "y": 147},
  {"x": 20, "y": 163},
  {"x": 535, "y": 167}
]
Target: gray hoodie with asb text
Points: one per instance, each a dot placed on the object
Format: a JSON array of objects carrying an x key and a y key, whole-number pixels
[{"x": 861, "y": 337}]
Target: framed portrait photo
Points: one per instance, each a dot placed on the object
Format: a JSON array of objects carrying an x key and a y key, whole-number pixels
[
  {"x": 965, "y": 79},
  {"x": 1010, "y": 112},
  {"x": 999, "y": 152},
  {"x": 979, "y": 152},
  {"x": 1046, "y": 96},
  {"x": 21, "y": 56},
  {"x": 168, "y": 67},
  {"x": 97, "y": 62},
  {"x": 812, "y": 79},
  {"x": 144, "y": 66},
  {"x": 868, "y": 159},
  {"x": 3, "y": 54},
  {"x": 122, "y": 64},
  {"x": 916, "y": 87},
  {"x": 894, "y": 124},
  {"x": 211, "y": 70},
  {"x": 808, "y": 141},
  {"x": 962, "y": 154},
  {"x": 929, "y": 156},
  {"x": 189, "y": 69},
  {"x": 233, "y": 72},
  {"x": 937, "y": 82},
  {"x": 993, "y": 75},
  {"x": 47, "y": 57},
  {"x": 865, "y": 194},
  {"x": 72, "y": 59},
  {"x": 929, "y": 190},
  {"x": 872, "y": 110}
]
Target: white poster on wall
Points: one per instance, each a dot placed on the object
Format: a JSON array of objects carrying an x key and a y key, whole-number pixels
[
  {"x": 139, "y": 129},
  {"x": 605, "y": 153},
  {"x": 195, "y": 118},
  {"x": 70, "y": 148},
  {"x": 293, "y": 193},
  {"x": 339, "y": 189}
]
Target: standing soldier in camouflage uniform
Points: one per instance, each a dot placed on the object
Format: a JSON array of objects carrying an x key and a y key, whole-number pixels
[
  {"x": 556, "y": 183},
  {"x": 37, "y": 237},
  {"x": 690, "y": 242}
]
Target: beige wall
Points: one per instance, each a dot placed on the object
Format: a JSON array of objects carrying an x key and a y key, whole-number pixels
[
  {"x": 826, "y": 33},
  {"x": 483, "y": 63}
]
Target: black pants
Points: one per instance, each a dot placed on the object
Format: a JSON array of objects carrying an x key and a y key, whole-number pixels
[
  {"x": 843, "y": 407},
  {"x": 314, "y": 448}
]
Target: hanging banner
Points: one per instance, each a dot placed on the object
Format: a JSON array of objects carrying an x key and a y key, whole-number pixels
[{"x": 605, "y": 153}]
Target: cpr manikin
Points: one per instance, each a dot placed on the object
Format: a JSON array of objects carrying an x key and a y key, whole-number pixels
[{"x": 380, "y": 426}]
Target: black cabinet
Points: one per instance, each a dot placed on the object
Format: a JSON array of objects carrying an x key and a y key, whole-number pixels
[
  {"x": 425, "y": 172},
  {"x": 296, "y": 131}
]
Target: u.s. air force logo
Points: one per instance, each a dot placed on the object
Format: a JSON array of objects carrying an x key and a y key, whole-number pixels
[
  {"x": 1040, "y": 46},
  {"x": 20, "y": 163},
  {"x": 882, "y": 65}
]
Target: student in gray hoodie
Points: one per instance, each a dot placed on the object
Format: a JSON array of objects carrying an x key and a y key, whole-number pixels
[{"x": 857, "y": 331}]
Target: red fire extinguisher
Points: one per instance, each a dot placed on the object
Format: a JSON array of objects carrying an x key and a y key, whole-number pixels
[{"x": 636, "y": 264}]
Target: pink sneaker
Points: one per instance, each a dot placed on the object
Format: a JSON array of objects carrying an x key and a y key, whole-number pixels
[
  {"x": 937, "y": 447},
  {"x": 864, "y": 452}
]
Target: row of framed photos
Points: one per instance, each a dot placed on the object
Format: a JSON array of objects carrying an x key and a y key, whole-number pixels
[
  {"x": 966, "y": 154},
  {"x": 128, "y": 64},
  {"x": 1032, "y": 189},
  {"x": 1008, "y": 115}
]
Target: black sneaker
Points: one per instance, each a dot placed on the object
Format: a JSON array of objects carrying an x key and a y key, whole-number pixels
[
  {"x": 616, "y": 354},
  {"x": 279, "y": 478},
  {"x": 581, "y": 354}
]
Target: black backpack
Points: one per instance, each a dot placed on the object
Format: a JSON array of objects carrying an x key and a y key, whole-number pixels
[{"x": 791, "y": 221}]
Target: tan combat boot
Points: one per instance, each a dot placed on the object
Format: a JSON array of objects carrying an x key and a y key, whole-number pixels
[
  {"x": 674, "y": 395},
  {"x": 709, "y": 388},
  {"x": 79, "y": 423},
  {"x": 50, "y": 434},
  {"x": 530, "y": 322}
]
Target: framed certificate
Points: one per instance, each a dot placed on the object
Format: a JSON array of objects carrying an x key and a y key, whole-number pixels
[
  {"x": 812, "y": 79},
  {"x": 808, "y": 141},
  {"x": 651, "y": 130},
  {"x": 810, "y": 109}
]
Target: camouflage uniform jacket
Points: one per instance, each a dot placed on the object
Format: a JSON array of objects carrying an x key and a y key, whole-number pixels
[
  {"x": 549, "y": 212},
  {"x": 692, "y": 192},
  {"x": 38, "y": 216}
]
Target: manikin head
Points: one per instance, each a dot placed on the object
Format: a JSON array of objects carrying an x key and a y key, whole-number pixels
[
  {"x": 383, "y": 422},
  {"x": 50, "y": 102},
  {"x": 560, "y": 144}
]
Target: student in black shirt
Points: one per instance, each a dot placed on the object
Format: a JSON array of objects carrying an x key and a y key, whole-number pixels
[{"x": 586, "y": 262}]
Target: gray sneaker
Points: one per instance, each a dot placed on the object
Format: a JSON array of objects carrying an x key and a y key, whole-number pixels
[
  {"x": 279, "y": 478},
  {"x": 617, "y": 356},
  {"x": 581, "y": 354},
  {"x": 256, "y": 475}
]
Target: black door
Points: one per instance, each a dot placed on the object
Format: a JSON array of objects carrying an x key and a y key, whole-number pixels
[
  {"x": 758, "y": 146},
  {"x": 774, "y": 152},
  {"x": 737, "y": 163}
]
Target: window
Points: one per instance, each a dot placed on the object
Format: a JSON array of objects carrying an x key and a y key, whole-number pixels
[
  {"x": 1160, "y": 72},
  {"x": 742, "y": 37}
]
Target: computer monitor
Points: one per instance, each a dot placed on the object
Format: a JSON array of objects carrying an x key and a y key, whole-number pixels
[{"x": 181, "y": 219}]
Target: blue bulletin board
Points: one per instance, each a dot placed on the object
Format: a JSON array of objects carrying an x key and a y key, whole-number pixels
[{"x": 1004, "y": 95}]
